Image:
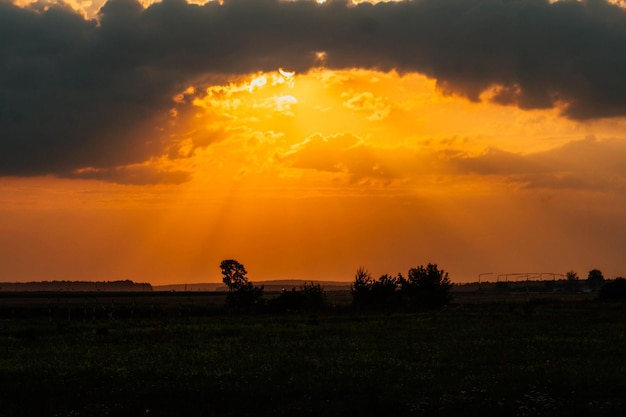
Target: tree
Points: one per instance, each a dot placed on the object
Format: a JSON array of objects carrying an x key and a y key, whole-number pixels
[
  {"x": 242, "y": 294},
  {"x": 361, "y": 288},
  {"x": 385, "y": 292},
  {"x": 426, "y": 287},
  {"x": 595, "y": 279},
  {"x": 380, "y": 294},
  {"x": 572, "y": 283}
]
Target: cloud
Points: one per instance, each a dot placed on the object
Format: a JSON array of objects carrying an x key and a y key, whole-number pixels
[
  {"x": 587, "y": 165},
  {"x": 363, "y": 163},
  {"x": 77, "y": 93},
  {"x": 582, "y": 165},
  {"x": 494, "y": 161},
  {"x": 134, "y": 174},
  {"x": 377, "y": 107},
  {"x": 345, "y": 154}
]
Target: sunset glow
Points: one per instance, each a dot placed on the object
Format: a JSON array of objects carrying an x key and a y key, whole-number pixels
[{"x": 308, "y": 167}]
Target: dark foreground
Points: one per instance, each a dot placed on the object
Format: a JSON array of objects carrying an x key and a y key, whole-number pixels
[{"x": 513, "y": 359}]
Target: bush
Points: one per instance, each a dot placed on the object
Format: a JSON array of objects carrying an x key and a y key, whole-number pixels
[
  {"x": 385, "y": 293},
  {"x": 309, "y": 298},
  {"x": 614, "y": 290},
  {"x": 245, "y": 298},
  {"x": 426, "y": 287},
  {"x": 314, "y": 297}
]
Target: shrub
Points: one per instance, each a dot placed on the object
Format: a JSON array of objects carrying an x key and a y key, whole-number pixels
[
  {"x": 385, "y": 293},
  {"x": 614, "y": 290},
  {"x": 310, "y": 297},
  {"x": 314, "y": 297},
  {"x": 426, "y": 287}
]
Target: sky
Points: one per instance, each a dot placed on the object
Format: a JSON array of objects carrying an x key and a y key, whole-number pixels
[{"x": 305, "y": 139}]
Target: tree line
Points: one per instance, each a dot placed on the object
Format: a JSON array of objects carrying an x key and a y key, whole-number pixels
[
  {"x": 244, "y": 296},
  {"x": 607, "y": 289},
  {"x": 425, "y": 287}
]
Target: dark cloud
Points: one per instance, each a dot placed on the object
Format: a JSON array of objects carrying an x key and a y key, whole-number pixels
[
  {"x": 78, "y": 93},
  {"x": 135, "y": 175}
]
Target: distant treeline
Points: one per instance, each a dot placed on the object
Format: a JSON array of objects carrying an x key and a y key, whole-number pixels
[
  {"x": 269, "y": 286},
  {"x": 109, "y": 286}
]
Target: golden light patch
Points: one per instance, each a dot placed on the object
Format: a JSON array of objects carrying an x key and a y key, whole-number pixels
[
  {"x": 376, "y": 106},
  {"x": 280, "y": 126},
  {"x": 306, "y": 175}
]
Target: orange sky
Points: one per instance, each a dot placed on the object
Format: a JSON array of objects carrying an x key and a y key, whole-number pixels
[
  {"x": 313, "y": 175},
  {"x": 309, "y": 175}
]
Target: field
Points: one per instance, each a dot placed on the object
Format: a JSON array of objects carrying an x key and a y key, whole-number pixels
[{"x": 178, "y": 355}]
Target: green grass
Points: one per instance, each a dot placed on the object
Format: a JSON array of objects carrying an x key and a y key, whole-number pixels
[{"x": 492, "y": 359}]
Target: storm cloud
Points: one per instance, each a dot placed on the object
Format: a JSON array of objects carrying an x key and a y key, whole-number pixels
[{"x": 78, "y": 93}]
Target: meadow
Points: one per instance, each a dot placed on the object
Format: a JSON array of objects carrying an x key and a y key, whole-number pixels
[{"x": 178, "y": 355}]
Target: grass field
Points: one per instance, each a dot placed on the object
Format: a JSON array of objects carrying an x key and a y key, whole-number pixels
[{"x": 172, "y": 358}]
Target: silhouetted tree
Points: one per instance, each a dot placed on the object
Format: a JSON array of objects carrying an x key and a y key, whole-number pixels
[
  {"x": 234, "y": 274},
  {"x": 426, "y": 287},
  {"x": 361, "y": 288},
  {"x": 384, "y": 292},
  {"x": 572, "y": 282},
  {"x": 380, "y": 294},
  {"x": 595, "y": 279},
  {"x": 613, "y": 290},
  {"x": 242, "y": 294}
]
